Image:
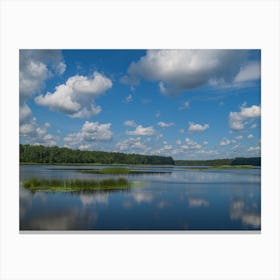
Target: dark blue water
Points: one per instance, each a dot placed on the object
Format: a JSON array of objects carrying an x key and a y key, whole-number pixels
[{"x": 180, "y": 199}]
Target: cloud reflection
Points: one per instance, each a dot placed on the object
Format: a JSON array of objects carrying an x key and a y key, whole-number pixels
[
  {"x": 240, "y": 211},
  {"x": 69, "y": 219},
  {"x": 25, "y": 201},
  {"x": 198, "y": 202},
  {"x": 140, "y": 197},
  {"x": 88, "y": 199},
  {"x": 163, "y": 204}
]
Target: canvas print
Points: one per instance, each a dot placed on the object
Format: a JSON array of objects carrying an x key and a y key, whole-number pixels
[{"x": 140, "y": 140}]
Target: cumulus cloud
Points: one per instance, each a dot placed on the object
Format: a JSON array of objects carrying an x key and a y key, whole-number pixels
[
  {"x": 157, "y": 114},
  {"x": 164, "y": 125},
  {"x": 132, "y": 145},
  {"x": 239, "y": 137},
  {"x": 253, "y": 126},
  {"x": 35, "y": 67},
  {"x": 178, "y": 142},
  {"x": 165, "y": 150},
  {"x": 179, "y": 70},
  {"x": 193, "y": 127},
  {"x": 250, "y": 136},
  {"x": 128, "y": 99},
  {"x": 249, "y": 72},
  {"x": 225, "y": 142},
  {"x": 237, "y": 120},
  {"x": 130, "y": 123},
  {"x": 142, "y": 131},
  {"x": 191, "y": 145},
  {"x": 90, "y": 133},
  {"x": 25, "y": 114},
  {"x": 255, "y": 149},
  {"x": 186, "y": 105},
  {"x": 207, "y": 152},
  {"x": 33, "y": 133},
  {"x": 76, "y": 97}
]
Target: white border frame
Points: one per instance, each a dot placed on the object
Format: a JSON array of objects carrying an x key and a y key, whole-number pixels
[{"x": 139, "y": 24}]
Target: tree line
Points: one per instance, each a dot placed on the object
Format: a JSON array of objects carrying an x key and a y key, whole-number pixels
[
  {"x": 255, "y": 161},
  {"x": 58, "y": 155}
]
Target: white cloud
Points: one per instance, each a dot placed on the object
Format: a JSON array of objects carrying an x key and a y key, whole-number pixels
[
  {"x": 235, "y": 147},
  {"x": 205, "y": 142},
  {"x": 253, "y": 126},
  {"x": 207, "y": 152},
  {"x": 35, "y": 67},
  {"x": 128, "y": 99},
  {"x": 157, "y": 114},
  {"x": 239, "y": 137},
  {"x": 164, "y": 125},
  {"x": 34, "y": 134},
  {"x": 225, "y": 142},
  {"x": 250, "y": 136},
  {"x": 142, "y": 131},
  {"x": 130, "y": 123},
  {"x": 93, "y": 131},
  {"x": 179, "y": 142},
  {"x": 90, "y": 133},
  {"x": 256, "y": 149},
  {"x": 186, "y": 105},
  {"x": 249, "y": 72},
  {"x": 25, "y": 114},
  {"x": 182, "y": 131},
  {"x": 132, "y": 145},
  {"x": 237, "y": 119},
  {"x": 179, "y": 70},
  {"x": 191, "y": 145},
  {"x": 76, "y": 97},
  {"x": 197, "y": 127},
  {"x": 165, "y": 150}
]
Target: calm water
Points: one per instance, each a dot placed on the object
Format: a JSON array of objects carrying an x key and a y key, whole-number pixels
[{"x": 180, "y": 199}]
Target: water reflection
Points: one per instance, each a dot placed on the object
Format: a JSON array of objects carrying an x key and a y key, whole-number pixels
[
  {"x": 198, "y": 202},
  {"x": 246, "y": 212},
  {"x": 181, "y": 200},
  {"x": 141, "y": 197},
  {"x": 89, "y": 199}
]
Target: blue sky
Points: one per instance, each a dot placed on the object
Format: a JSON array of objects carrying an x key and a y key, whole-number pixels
[{"x": 188, "y": 104}]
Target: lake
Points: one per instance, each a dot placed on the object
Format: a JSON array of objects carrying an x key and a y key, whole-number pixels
[{"x": 170, "y": 198}]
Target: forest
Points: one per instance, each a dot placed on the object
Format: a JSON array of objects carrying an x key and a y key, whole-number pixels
[
  {"x": 62, "y": 155},
  {"x": 59, "y": 155}
]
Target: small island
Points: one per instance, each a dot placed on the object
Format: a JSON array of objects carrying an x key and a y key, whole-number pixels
[{"x": 55, "y": 185}]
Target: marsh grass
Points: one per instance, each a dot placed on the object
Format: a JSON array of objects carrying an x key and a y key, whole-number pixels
[
  {"x": 55, "y": 185},
  {"x": 222, "y": 167},
  {"x": 232, "y": 167}
]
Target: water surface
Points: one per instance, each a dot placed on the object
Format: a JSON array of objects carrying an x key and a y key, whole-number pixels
[{"x": 180, "y": 198}]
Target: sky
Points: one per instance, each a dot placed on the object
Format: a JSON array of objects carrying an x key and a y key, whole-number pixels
[{"x": 188, "y": 104}]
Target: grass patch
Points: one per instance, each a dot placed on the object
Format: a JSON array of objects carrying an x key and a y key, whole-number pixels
[
  {"x": 222, "y": 167},
  {"x": 232, "y": 167},
  {"x": 54, "y": 185}
]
